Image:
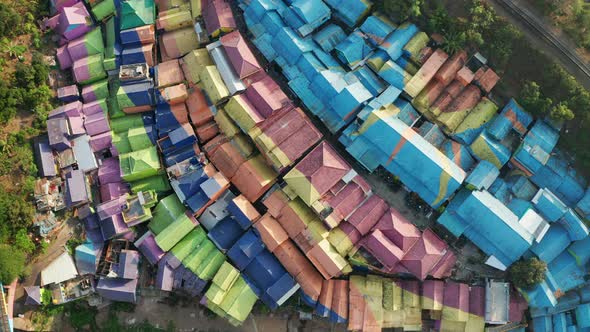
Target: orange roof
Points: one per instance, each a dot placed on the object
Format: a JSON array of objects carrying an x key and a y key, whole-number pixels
[
  {"x": 291, "y": 221},
  {"x": 253, "y": 178},
  {"x": 310, "y": 281},
  {"x": 169, "y": 73},
  {"x": 239, "y": 54},
  {"x": 275, "y": 202},
  {"x": 198, "y": 107},
  {"x": 246, "y": 208},
  {"x": 488, "y": 80},
  {"x": 207, "y": 131},
  {"x": 271, "y": 232},
  {"x": 227, "y": 159}
]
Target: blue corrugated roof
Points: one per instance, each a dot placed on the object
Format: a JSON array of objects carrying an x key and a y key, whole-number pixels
[
  {"x": 496, "y": 230},
  {"x": 376, "y": 29},
  {"x": 551, "y": 207},
  {"x": 483, "y": 175},
  {"x": 553, "y": 243},
  {"x": 328, "y": 37}
]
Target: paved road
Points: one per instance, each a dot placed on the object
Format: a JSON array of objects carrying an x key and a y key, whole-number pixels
[{"x": 542, "y": 36}]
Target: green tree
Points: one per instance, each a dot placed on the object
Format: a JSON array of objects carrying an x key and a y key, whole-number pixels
[
  {"x": 9, "y": 20},
  {"x": 561, "y": 112},
  {"x": 533, "y": 100},
  {"x": 15, "y": 212},
  {"x": 12, "y": 263},
  {"x": 527, "y": 273},
  {"x": 23, "y": 242},
  {"x": 453, "y": 42},
  {"x": 402, "y": 10}
]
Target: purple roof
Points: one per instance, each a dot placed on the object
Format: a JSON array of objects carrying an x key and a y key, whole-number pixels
[
  {"x": 71, "y": 109},
  {"x": 112, "y": 191},
  {"x": 93, "y": 107},
  {"x": 63, "y": 57},
  {"x": 45, "y": 159},
  {"x": 128, "y": 264},
  {"x": 68, "y": 93},
  {"x": 149, "y": 248},
  {"x": 110, "y": 208},
  {"x": 434, "y": 290},
  {"x": 76, "y": 192},
  {"x": 113, "y": 226},
  {"x": 477, "y": 304},
  {"x": 94, "y": 235},
  {"x": 92, "y": 221},
  {"x": 96, "y": 123},
  {"x": 76, "y": 124},
  {"x": 165, "y": 278},
  {"x": 101, "y": 141},
  {"x": 74, "y": 21},
  {"x": 109, "y": 171},
  {"x": 33, "y": 295},
  {"x": 456, "y": 296},
  {"x": 57, "y": 131},
  {"x": 186, "y": 280},
  {"x": 117, "y": 289}
]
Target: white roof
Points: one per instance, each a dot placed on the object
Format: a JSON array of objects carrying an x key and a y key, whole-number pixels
[
  {"x": 497, "y": 302},
  {"x": 83, "y": 154},
  {"x": 535, "y": 224},
  {"x": 60, "y": 270}
]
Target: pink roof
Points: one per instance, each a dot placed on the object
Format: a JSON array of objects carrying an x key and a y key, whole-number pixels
[
  {"x": 323, "y": 167},
  {"x": 383, "y": 249},
  {"x": 398, "y": 229},
  {"x": 444, "y": 267},
  {"x": 217, "y": 14},
  {"x": 347, "y": 200},
  {"x": 368, "y": 214},
  {"x": 267, "y": 96},
  {"x": 477, "y": 296},
  {"x": 433, "y": 289},
  {"x": 353, "y": 234},
  {"x": 76, "y": 125},
  {"x": 424, "y": 254},
  {"x": 456, "y": 296},
  {"x": 239, "y": 54}
]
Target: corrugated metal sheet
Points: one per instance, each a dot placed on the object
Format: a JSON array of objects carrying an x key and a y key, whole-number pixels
[
  {"x": 514, "y": 117},
  {"x": 475, "y": 121},
  {"x": 486, "y": 148},
  {"x": 396, "y": 40}
]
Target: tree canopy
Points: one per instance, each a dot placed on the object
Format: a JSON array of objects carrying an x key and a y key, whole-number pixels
[
  {"x": 527, "y": 273},
  {"x": 12, "y": 263}
]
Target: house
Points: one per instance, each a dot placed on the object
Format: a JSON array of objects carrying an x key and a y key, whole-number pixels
[
  {"x": 44, "y": 157},
  {"x": 60, "y": 269},
  {"x": 118, "y": 289},
  {"x": 76, "y": 188},
  {"x": 496, "y": 231}
]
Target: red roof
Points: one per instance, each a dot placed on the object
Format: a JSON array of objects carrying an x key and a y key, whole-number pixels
[
  {"x": 267, "y": 96},
  {"x": 424, "y": 254},
  {"x": 323, "y": 167},
  {"x": 398, "y": 229},
  {"x": 368, "y": 214},
  {"x": 239, "y": 54},
  {"x": 456, "y": 296}
]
